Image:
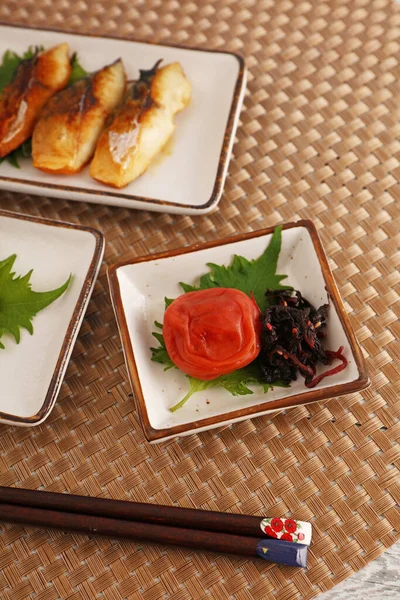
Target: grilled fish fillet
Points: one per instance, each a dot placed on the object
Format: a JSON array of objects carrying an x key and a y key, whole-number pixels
[
  {"x": 142, "y": 126},
  {"x": 35, "y": 81},
  {"x": 66, "y": 134}
]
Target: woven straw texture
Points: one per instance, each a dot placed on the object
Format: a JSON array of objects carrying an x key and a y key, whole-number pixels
[{"x": 318, "y": 138}]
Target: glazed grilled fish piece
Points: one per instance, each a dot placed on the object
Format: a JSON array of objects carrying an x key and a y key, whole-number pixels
[
  {"x": 35, "y": 81},
  {"x": 66, "y": 134},
  {"x": 141, "y": 126}
]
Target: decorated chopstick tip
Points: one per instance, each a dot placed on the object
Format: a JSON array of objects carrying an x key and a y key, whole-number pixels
[{"x": 287, "y": 530}]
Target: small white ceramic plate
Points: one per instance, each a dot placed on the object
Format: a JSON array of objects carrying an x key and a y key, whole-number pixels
[
  {"x": 31, "y": 372},
  {"x": 138, "y": 289},
  {"x": 188, "y": 177}
]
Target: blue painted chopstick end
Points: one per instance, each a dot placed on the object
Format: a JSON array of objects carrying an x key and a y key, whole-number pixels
[{"x": 283, "y": 553}]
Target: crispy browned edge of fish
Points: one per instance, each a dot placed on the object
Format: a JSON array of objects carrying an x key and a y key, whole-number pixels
[
  {"x": 19, "y": 87},
  {"x": 147, "y": 105},
  {"x": 90, "y": 102}
]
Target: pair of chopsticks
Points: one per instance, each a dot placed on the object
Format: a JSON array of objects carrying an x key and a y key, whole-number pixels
[{"x": 222, "y": 533}]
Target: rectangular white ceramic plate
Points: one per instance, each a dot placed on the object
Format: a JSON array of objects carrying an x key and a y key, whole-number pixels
[
  {"x": 188, "y": 177},
  {"x": 138, "y": 292},
  {"x": 31, "y": 372}
]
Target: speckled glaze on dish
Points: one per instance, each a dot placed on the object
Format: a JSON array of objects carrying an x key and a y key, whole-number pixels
[
  {"x": 192, "y": 148},
  {"x": 39, "y": 237},
  {"x": 137, "y": 303}
]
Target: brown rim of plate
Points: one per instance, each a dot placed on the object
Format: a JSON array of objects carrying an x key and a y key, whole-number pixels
[
  {"x": 305, "y": 398},
  {"x": 74, "y": 323},
  {"x": 223, "y": 158}
]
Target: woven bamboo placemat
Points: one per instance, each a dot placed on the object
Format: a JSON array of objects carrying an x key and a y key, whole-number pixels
[{"x": 319, "y": 139}]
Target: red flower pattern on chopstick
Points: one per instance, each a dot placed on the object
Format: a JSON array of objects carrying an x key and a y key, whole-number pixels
[
  {"x": 277, "y": 524},
  {"x": 288, "y": 530},
  {"x": 290, "y": 525},
  {"x": 270, "y": 532}
]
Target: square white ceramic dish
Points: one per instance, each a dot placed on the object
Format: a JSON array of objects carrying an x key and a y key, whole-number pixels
[
  {"x": 31, "y": 372},
  {"x": 138, "y": 289},
  {"x": 189, "y": 176}
]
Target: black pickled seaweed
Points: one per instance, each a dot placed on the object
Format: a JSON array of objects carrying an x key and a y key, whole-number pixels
[{"x": 291, "y": 340}]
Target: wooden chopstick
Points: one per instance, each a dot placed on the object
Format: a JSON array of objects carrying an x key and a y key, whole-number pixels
[
  {"x": 269, "y": 549},
  {"x": 243, "y": 525}
]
